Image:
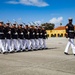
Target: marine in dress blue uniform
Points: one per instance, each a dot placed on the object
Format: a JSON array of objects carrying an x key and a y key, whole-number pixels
[
  {"x": 70, "y": 35},
  {"x": 2, "y": 38},
  {"x": 15, "y": 43},
  {"x": 7, "y": 32}
]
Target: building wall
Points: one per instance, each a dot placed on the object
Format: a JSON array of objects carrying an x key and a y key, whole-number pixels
[{"x": 56, "y": 33}]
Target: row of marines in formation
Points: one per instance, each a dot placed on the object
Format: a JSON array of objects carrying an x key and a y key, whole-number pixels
[{"x": 15, "y": 38}]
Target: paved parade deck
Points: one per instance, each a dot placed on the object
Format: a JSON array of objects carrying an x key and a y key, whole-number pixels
[{"x": 42, "y": 62}]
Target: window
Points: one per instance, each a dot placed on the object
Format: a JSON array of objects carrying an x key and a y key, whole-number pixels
[{"x": 58, "y": 35}]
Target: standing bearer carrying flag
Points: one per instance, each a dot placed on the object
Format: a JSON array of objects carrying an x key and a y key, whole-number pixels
[{"x": 70, "y": 35}]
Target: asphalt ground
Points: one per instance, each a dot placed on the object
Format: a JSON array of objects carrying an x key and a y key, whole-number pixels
[{"x": 52, "y": 61}]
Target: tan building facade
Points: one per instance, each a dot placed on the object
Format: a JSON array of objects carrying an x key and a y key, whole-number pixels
[{"x": 57, "y": 32}]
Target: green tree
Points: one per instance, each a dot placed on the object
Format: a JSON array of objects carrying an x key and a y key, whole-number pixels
[
  {"x": 48, "y": 26},
  {"x": 60, "y": 24}
]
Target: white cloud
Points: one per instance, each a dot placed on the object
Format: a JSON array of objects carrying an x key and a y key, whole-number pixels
[
  {"x": 12, "y": 2},
  {"x": 56, "y": 20},
  {"x": 37, "y": 22},
  {"x": 38, "y": 3}
]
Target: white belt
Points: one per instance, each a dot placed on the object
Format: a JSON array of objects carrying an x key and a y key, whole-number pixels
[
  {"x": 16, "y": 33},
  {"x": 1, "y": 33},
  {"x": 71, "y": 31},
  {"x": 33, "y": 33}
]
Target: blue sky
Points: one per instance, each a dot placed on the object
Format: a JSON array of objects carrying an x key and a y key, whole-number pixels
[{"x": 38, "y": 11}]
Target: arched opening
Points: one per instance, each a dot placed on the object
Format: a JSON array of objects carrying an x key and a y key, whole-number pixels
[
  {"x": 61, "y": 35},
  {"x": 51, "y": 35},
  {"x": 54, "y": 35},
  {"x": 65, "y": 35},
  {"x": 58, "y": 35}
]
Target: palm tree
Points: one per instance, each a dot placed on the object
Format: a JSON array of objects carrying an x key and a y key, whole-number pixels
[{"x": 60, "y": 24}]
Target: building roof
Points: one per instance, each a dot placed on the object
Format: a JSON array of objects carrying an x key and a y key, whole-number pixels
[{"x": 60, "y": 28}]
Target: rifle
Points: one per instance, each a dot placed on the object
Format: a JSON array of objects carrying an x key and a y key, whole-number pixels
[
  {"x": 33, "y": 23},
  {"x": 23, "y": 23},
  {"x": 38, "y": 24},
  {"x": 16, "y": 23},
  {"x": 9, "y": 22},
  {"x": 29, "y": 23}
]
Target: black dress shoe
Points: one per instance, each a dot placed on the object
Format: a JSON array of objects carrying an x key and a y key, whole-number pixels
[
  {"x": 11, "y": 52},
  {"x": 4, "y": 52},
  {"x": 29, "y": 50},
  {"x": 46, "y": 48},
  {"x": 23, "y": 50},
  {"x": 34, "y": 49},
  {"x": 66, "y": 53},
  {"x": 39, "y": 49},
  {"x": 42, "y": 48}
]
